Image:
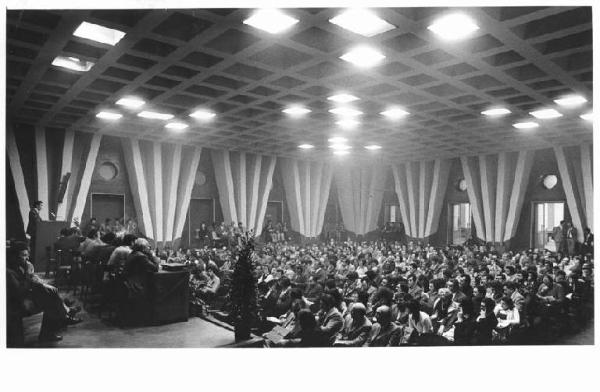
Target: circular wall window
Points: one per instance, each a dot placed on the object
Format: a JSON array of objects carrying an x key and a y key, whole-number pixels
[
  {"x": 550, "y": 181},
  {"x": 108, "y": 171},
  {"x": 200, "y": 178},
  {"x": 462, "y": 185}
]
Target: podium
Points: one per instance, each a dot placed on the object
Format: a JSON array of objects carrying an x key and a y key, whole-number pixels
[
  {"x": 45, "y": 235},
  {"x": 169, "y": 296}
]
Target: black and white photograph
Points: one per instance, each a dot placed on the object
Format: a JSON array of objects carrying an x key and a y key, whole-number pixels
[{"x": 408, "y": 177}]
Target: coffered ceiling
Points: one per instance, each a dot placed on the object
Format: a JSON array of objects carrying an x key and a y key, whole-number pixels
[{"x": 179, "y": 60}]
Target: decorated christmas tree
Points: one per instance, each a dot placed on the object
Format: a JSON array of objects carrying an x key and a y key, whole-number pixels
[{"x": 243, "y": 292}]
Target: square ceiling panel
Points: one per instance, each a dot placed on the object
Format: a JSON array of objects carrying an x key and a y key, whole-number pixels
[
  {"x": 180, "y": 72},
  {"x": 280, "y": 57},
  {"x": 458, "y": 69},
  {"x": 417, "y": 80},
  {"x": 247, "y": 71},
  {"x": 181, "y": 26},
  {"x": 264, "y": 91},
  {"x": 405, "y": 42},
  {"x": 205, "y": 91},
  {"x": 322, "y": 40},
  {"x": 154, "y": 47},
  {"x": 526, "y": 72},
  {"x": 135, "y": 61},
  {"x": 433, "y": 57},
  {"x": 201, "y": 59},
  {"x": 226, "y": 82},
  {"x": 232, "y": 41}
]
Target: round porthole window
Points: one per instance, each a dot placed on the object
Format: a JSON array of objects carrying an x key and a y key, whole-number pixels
[
  {"x": 200, "y": 178},
  {"x": 462, "y": 185},
  {"x": 550, "y": 181},
  {"x": 108, "y": 171}
]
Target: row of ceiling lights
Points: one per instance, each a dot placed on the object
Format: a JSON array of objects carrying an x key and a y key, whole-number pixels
[{"x": 364, "y": 22}]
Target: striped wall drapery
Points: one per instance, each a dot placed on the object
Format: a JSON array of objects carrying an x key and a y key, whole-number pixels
[
  {"x": 161, "y": 178},
  {"x": 421, "y": 187},
  {"x": 55, "y": 154},
  {"x": 496, "y": 186},
  {"x": 244, "y": 182},
  {"x": 575, "y": 168},
  {"x": 306, "y": 186},
  {"x": 360, "y": 195}
]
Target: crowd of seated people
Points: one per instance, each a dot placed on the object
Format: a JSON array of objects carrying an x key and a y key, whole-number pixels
[
  {"x": 365, "y": 293},
  {"x": 405, "y": 293},
  {"x": 420, "y": 295},
  {"x": 118, "y": 226}
]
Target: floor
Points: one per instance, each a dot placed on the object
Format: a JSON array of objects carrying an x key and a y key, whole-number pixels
[{"x": 96, "y": 333}]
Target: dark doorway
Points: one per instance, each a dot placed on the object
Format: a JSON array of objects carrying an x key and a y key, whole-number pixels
[
  {"x": 274, "y": 212},
  {"x": 200, "y": 211},
  {"x": 106, "y": 205}
]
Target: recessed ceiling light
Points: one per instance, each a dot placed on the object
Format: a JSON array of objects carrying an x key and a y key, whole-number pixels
[
  {"x": 571, "y": 101},
  {"x": 363, "y": 56},
  {"x": 395, "y": 113},
  {"x": 99, "y": 33},
  {"x": 453, "y": 27},
  {"x": 496, "y": 112},
  {"x": 296, "y": 110},
  {"x": 526, "y": 125},
  {"x": 347, "y": 123},
  {"x": 306, "y": 146},
  {"x": 362, "y": 21},
  {"x": 131, "y": 102},
  {"x": 109, "y": 115},
  {"x": 373, "y": 147},
  {"x": 347, "y": 112},
  {"x": 341, "y": 152},
  {"x": 342, "y": 98},
  {"x": 202, "y": 114},
  {"x": 587, "y": 116},
  {"x": 340, "y": 147},
  {"x": 72, "y": 63},
  {"x": 271, "y": 20},
  {"x": 176, "y": 126},
  {"x": 545, "y": 114},
  {"x": 337, "y": 140},
  {"x": 155, "y": 115}
]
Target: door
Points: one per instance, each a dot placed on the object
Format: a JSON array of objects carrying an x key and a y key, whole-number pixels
[
  {"x": 547, "y": 217},
  {"x": 461, "y": 222},
  {"x": 274, "y": 212},
  {"x": 106, "y": 205},
  {"x": 200, "y": 211}
]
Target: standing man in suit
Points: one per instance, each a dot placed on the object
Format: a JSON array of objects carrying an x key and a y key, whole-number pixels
[
  {"x": 34, "y": 218},
  {"x": 571, "y": 235},
  {"x": 557, "y": 235},
  {"x": 588, "y": 242}
]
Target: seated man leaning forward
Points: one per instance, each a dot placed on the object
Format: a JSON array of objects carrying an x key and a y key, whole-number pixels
[
  {"x": 27, "y": 294},
  {"x": 356, "y": 328},
  {"x": 384, "y": 333}
]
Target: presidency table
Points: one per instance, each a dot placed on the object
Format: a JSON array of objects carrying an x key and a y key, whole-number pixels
[{"x": 169, "y": 296}]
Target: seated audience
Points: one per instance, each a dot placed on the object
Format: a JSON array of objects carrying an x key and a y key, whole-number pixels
[
  {"x": 27, "y": 294},
  {"x": 384, "y": 332},
  {"x": 356, "y": 328}
]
